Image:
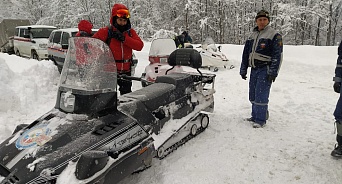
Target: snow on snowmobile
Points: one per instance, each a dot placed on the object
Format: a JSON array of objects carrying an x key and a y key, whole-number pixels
[
  {"x": 160, "y": 51},
  {"x": 212, "y": 57},
  {"x": 93, "y": 136}
]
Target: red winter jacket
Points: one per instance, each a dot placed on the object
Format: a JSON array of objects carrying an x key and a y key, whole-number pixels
[{"x": 121, "y": 50}]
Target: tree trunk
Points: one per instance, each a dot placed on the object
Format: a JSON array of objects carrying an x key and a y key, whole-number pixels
[
  {"x": 220, "y": 22},
  {"x": 317, "y": 32},
  {"x": 329, "y": 26}
]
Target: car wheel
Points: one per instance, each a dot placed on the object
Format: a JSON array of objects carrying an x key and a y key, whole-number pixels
[{"x": 35, "y": 55}]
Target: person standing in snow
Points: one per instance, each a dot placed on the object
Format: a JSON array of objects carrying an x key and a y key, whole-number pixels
[
  {"x": 263, "y": 53},
  {"x": 337, "y": 152},
  {"x": 122, "y": 40},
  {"x": 84, "y": 29}
]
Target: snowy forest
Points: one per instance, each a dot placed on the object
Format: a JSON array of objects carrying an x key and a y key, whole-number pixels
[{"x": 301, "y": 22}]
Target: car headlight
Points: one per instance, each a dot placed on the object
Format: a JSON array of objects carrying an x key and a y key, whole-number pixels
[{"x": 42, "y": 45}]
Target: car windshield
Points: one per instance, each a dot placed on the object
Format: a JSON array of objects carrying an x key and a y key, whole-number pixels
[
  {"x": 41, "y": 32},
  {"x": 89, "y": 66}
]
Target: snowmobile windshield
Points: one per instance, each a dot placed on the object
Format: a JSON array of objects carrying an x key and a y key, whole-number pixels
[
  {"x": 89, "y": 66},
  {"x": 162, "y": 47},
  {"x": 209, "y": 43}
]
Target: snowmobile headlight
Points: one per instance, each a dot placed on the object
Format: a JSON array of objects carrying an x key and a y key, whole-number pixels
[{"x": 67, "y": 102}]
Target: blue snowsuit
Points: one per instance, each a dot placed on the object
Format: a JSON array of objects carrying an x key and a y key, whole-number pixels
[
  {"x": 338, "y": 109},
  {"x": 338, "y": 78},
  {"x": 263, "y": 53}
]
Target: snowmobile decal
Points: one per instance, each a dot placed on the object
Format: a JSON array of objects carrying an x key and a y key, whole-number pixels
[
  {"x": 38, "y": 135},
  {"x": 133, "y": 135}
]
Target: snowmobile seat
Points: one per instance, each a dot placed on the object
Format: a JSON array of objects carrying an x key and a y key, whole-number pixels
[
  {"x": 180, "y": 80},
  {"x": 152, "y": 96}
]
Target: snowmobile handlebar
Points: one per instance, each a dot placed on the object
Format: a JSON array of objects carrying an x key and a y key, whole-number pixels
[{"x": 126, "y": 77}]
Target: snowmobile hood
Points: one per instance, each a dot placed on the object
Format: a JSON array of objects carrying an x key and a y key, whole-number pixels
[
  {"x": 84, "y": 118},
  {"x": 46, "y": 146}
]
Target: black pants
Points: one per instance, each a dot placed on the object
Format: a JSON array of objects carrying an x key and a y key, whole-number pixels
[{"x": 125, "y": 85}]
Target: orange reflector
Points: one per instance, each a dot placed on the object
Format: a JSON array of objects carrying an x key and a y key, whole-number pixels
[{"x": 142, "y": 150}]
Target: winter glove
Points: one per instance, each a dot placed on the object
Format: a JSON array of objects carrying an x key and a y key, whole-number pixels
[
  {"x": 337, "y": 87},
  {"x": 118, "y": 35},
  {"x": 244, "y": 76},
  {"x": 271, "y": 78}
]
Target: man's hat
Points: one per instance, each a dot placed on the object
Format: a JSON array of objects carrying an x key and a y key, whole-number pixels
[{"x": 263, "y": 13}]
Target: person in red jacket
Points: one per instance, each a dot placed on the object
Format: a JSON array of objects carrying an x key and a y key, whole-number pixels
[
  {"x": 84, "y": 29},
  {"x": 122, "y": 40}
]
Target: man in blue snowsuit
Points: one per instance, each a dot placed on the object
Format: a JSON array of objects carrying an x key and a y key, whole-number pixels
[
  {"x": 337, "y": 152},
  {"x": 263, "y": 53}
]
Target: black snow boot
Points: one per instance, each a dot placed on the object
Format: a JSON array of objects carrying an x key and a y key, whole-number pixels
[
  {"x": 250, "y": 119},
  {"x": 337, "y": 152}
]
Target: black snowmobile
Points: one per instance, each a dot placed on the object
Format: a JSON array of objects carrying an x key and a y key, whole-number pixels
[{"x": 92, "y": 136}]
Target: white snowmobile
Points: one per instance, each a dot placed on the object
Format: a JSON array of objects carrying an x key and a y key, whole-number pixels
[
  {"x": 160, "y": 51},
  {"x": 212, "y": 57},
  {"x": 92, "y": 136}
]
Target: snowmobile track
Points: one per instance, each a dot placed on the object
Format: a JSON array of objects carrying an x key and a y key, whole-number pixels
[{"x": 180, "y": 143}]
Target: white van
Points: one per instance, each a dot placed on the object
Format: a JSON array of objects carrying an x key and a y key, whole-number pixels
[
  {"x": 31, "y": 41},
  {"x": 58, "y": 45}
]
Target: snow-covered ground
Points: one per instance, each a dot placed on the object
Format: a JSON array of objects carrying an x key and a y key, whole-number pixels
[{"x": 294, "y": 147}]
